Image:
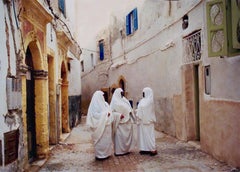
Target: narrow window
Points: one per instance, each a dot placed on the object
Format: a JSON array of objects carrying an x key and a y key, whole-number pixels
[
  {"x": 207, "y": 74},
  {"x": 92, "y": 60},
  {"x": 82, "y": 66},
  {"x": 185, "y": 22},
  {"x": 61, "y": 6},
  {"x": 69, "y": 66},
  {"x": 131, "y": 22},
  {"x": 101, "y": 50}
]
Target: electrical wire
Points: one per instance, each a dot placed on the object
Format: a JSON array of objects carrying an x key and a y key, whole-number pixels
[{"x": 64, "y": 24}]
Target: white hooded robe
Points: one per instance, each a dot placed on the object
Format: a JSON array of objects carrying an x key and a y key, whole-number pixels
[
  {"x": 122, "y": 128},
  {"x": 146, "y": 119},
  {"x": 99, "y": 119}
]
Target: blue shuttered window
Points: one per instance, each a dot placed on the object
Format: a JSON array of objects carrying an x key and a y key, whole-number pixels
[
  {"x": 135, "y": 19},
  {"x": 101, "y": 50},
  {"x": 61, "y": 6},
  {"x": 131, "y": 22},
  {"x": 128, "y": 26}
]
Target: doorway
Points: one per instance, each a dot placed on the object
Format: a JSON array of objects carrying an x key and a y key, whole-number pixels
[
  {"x": 122, "y": 84},
  {"x": 196, "y": 97},
  {"x": 30, "y": 109}
]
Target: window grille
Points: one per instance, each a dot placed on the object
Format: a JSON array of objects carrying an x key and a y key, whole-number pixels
[{"x": 192, "y": 47}]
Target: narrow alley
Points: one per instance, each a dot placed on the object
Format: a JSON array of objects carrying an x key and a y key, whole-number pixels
[{"x": 76, "y": 154}]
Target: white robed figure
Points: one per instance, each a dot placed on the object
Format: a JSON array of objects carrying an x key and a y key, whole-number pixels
[
  {"x": 146, "y": 119},
  {"x": 99, "y": 119},
  {"x": 123, "y": 120}
]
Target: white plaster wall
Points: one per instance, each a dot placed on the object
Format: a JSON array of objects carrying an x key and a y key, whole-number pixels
[
  {"x": 153, "y": 52},
  {"x": 3, "y": 70},
  {"x": 152, "y": 42},
  {"x": 74, "y": 78},
  {"x": 92, "y": 17},
  {"x": 154, "y": 58},
  {"x": 225, "y": 78},
  {"x": 159, "y": 40},
  {"x": 4, "y": 64},
  {"x": 52, "y": 44},
  {"x": 86, "y": 57}
]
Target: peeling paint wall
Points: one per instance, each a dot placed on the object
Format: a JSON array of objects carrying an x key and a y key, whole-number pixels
[
  {"x": 9, "y": 42},
  {"x": 21, "y": 30}
]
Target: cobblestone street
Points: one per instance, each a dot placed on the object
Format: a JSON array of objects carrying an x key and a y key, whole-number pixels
[{"x": 76, "y": 154}]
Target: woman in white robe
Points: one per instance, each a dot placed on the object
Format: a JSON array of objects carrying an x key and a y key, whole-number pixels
[
  {"x": 99, "y": 119},
  {"x": 123, "y": 123},
  {"x": 146, "y": 119}
]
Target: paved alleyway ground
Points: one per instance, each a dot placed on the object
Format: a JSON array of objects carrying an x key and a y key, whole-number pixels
[{"x": 76, "y": 154}]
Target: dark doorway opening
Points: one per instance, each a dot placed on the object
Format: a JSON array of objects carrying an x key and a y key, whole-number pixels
[
  {"x": 30, "y": 109},
  {"x": 196, "y": 96}
]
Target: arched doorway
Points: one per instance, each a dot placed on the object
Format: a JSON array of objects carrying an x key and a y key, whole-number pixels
[
  {"x": 122, "y": 84},
  {"x": 36, "y": 103},
  {"x": 30, "y": 109}
]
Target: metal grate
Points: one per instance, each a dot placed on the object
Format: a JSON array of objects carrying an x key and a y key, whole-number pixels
[{"x": 192, "y": 47}]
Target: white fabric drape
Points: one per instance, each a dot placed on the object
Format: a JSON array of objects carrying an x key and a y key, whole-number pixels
[
  {"x": 145, "y": 110},
  {"x": 146, "y": 118},
  {"x": 123, "y": 128},
  {"x": 99, "y": 119}
]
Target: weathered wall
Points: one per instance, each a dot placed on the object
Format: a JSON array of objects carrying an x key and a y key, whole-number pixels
[
  {"x": 74, "y": 78},
  {"x": 153, "y": 56},
  {"x": 93, "y": 81},
  {"x": 220, "y": 130},
  {"x": 9, "y": 45},
  {"x": 74, "y": 110}
]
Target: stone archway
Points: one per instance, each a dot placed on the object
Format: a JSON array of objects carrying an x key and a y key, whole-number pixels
[
  {"x": 35, "y": 104},
  {"x": 33, "y": 31}
]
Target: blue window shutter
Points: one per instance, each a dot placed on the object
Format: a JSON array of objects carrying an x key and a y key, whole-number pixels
[
  {"x": 101, "y": 51},
  {"x": 128, "y": 24},
  {"x": 135, "y": 19},
  {"x": 61, "y": 5}
]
